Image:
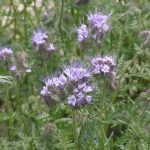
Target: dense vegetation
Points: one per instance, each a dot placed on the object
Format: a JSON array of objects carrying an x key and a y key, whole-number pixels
[{"x": 74, "y": 75}]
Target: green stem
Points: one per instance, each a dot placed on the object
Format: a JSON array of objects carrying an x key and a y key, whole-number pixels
[
  {"x": 75, "y": 136},
  {"x": 15, "y": 18},
  {"x": 60, "y": 25},
  {"x": 19, "y": 106},
  {"x": 8, "y": 109},
  {"x": 102, "y": 98},
  {"x": 45, "y": 67},
  {"x": 102, "y": 114},
  {"x": 25, "y": 23}
]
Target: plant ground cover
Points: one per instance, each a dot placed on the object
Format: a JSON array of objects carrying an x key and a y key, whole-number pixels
[{"x": 74, "y": 74}]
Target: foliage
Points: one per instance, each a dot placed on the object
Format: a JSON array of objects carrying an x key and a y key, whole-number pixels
[{"x": 117, "y": 118}]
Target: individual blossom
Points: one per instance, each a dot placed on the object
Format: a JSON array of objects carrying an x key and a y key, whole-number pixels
[
  {"x": 5, "y": 53},
  {"x": 13, "y": 68},
  {"x": 51, "y": 47},
  {"x": 45, "y": 92},
  {"x": 82, "y": 32},
  {"x": 39, "y": 37}
]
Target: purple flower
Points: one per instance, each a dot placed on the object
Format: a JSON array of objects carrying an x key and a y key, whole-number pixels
[
  {"x": 105, "y": 66},
  {"x": 87, "y": 89},
  {"x": 88, "y": 99},
  {"x": 99, "y": 21},
  {"x": 78, "y": 100},
  {"x": 39, "y": 37},
  {"x": 45, "y": 91},
  {"x": 71, "y": 100},
  {"x": 82, "y": 32},
  {"x": 105, "y": 69},
  {"x": 13, "y": 68},
  {"x": 51, "y": 47},
  {"x": 56, "y": 81},
  {"x": 5, "y": 53},
  {"x": 80, "y": 97},
  {"x": 110, "y": 60},
  {"x": 62, "y": 79},
  {"x": 81, "y": 86},
  {"x": 76, "y": 72},
  {"x": 73, "y": 82}
]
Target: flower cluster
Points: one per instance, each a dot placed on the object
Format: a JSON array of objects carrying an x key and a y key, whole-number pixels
[
  {"x": 40, "y": 41},
  {"x": 82, "y": 32},
  {"x": 99, "y": 22},
  {"x": 79, "y": 96},
  {"x": 76, "y": 72},
  {"x": 104, "y": 65},
  {"x": 39, "y": 37},
  {"x": 98, "y": 25},
  {"x": 5, "y": 53},
  {"x": 73, "y": 82}
]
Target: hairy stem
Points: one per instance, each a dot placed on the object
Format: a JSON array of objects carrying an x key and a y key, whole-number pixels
[
  {"x": 75, "y": 136},
  {"x": 102, "y": 98}
]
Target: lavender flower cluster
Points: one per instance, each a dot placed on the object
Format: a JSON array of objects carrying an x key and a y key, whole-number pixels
[
  {"x": 105, "y": 66},
  {"x": 79, "y": 96},
  {"x": 40, "y": 41},
  {"x": 98, "y": 25},
  {"x": 74, "y": 81},
  {"x": 99, "y": 21},
  {"x": 5, "y": 53},
  {"x": 83, "y": 32},
  {"x": 39, "y": 37}
]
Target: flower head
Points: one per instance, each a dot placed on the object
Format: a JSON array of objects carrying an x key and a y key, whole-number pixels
[
  {"x": 5, "y": 53},
  {"x": 80, "y": 97},
  {"x": 13, "y": 68},
  {"x": 99, "y": 21},
  {"x": 82, "y": 32},
  {"x": 103, "y": 64},
  {"x": 76, "y": 72},
  {"x": 72, "y": 85},
  {"x": 39, "y": 37},
  {"x": 45, "y": 91},
  {"x": 51, "y": 47}
]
